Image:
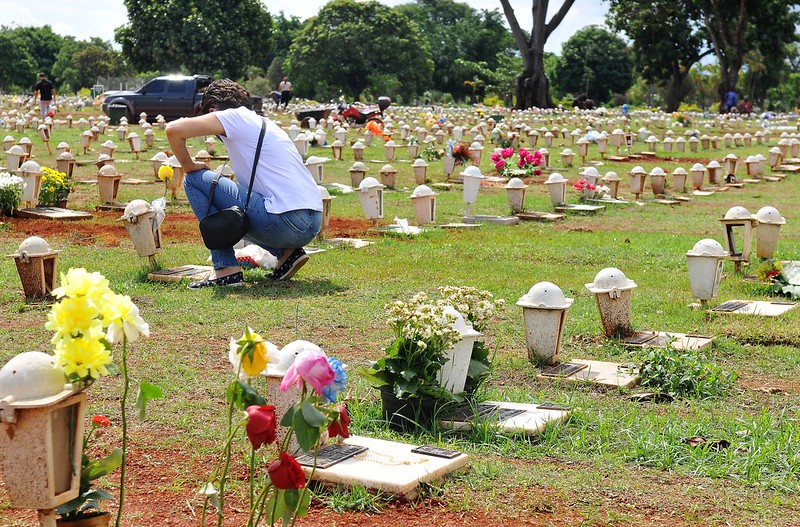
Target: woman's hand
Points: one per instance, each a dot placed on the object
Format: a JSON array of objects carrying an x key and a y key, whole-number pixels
[{"x": 194, "y": 165}]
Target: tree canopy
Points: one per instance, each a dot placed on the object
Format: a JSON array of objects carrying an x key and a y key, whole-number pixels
[
  {"x": 595, "y": 63},
  {"x": 350, "y": 46},
  {"x": 208, "y": 36}
]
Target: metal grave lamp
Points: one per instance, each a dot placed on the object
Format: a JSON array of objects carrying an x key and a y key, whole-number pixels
[
  {"x": 424, "y": 201},
  {"x": 652, "y": 143},
  {"x": 8, "y": 142},
  {"x": 122, "y": 131},
  {"x": 86, "y": 140},
  {"x": 544, "y": 309},
  {"x": 475, "y": 153},
  {"x": 27, "y": 144},
  {"x": 108, "y": 147},
  {"x": 336, "y": 149},
  {"x": 738, "y": 220},
  {"x": 679, "y": 176},
  {"x": 158, "y": 159},
  {"x": 413, "y": 149},
  {"x": 617, "y": 138},
  {"x": 358, "y": 172},
  {"x": 602, "y": 144},
  {"x": 211, "y": 145},
  {"x": 358, "y": 150},
  {"x": 15, "y": 156},
  {"x": 135, "y": 143},
  {"x": 637, "y": 177},
  {"x": 515, "y": 191},
  {"x": 420, "y": 168},
  {"x": 567, "y": 155},
  {"x": 370, "y": 194},
  {"x": 301, "y": 144},
  {"x": 698, "y": 173},
  {"x": 657, "y": 180},
  {"x": 65, "y": 163},
  {"x": 44, "y": 134},
  {"x": 389, "y": 149},
  {"x": 611, "y": 180},
  {"x": 62, "y": 147},
  {"x": 775, "y": 157},
  {"x": 316, "y": 165},
  {"x": 583, "y": 149},
  {"x": 767, "y": 231},
  {"x": 149, "y": 137},
  {"x": 680, "y": 144},
  {"x": 704, "y": 263},
  {"x": 472, "y": 183},
  {"x": 693, "y": 142},
  {"x": 591, "y": 175},
  {"x": 103, "y": 160},
  {"x": 37, "y": 266},
  {"x": 388, "y": 176},
  {"x": 327, "y": 200},
  {"x": 141, "y": 223},
  {"x": 729, "y": 163},
  {"x": 31, "y": 175},
  {"x": 108, "y": 180},
  {"x": 668, "y": 143},
  {"x": 453, "y": 374},
  {"x": 557, "y": 186},
  {"x": 41, "y": 434},
  {"x": 612, "y": 291}
]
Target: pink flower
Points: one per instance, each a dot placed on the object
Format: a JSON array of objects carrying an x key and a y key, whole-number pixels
[
  {"x": 500, "y": 165},
  {"x": 521, "y": 162},
  {"x": 507, "y": 152},
  {"x": 524, "y": 152},
  {"x": 537, "y": 172},
  {"x": 495, "y": 157},
  {"x": 589, "y": 186},
  {"x": 312, "y": 367},
  {"x": 530, "y": 160}
]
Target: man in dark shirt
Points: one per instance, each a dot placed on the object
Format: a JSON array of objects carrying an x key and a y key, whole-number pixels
[{"x": 45, "y": 92}]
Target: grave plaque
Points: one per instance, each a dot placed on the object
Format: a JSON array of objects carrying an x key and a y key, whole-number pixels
[
  {"x": 329, "y": 455},
  {"x": 731, "y": 305},
  {"x": 553, "y": 406},
  {"x": 639, "y": 338},
  {"x": 565, "y": 369},
  {"x": 430, "y": 450}
]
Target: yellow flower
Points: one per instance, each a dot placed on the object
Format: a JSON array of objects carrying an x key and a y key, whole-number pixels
[
  {"x": 165, "y": 173},
  {"x": 121, "y": 316},
  {"x": 84, "y": 358},
  {"x": 251, "y": 350},
  {"x": 72, "y": 317},
  {"x": 80, "y": 282}
]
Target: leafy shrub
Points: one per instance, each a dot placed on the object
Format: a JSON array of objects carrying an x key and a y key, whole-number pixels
[{"x": 682, "y": 373}]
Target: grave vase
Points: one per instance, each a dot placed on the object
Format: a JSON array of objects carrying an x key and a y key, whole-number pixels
[
  {"x": 544, "y": 328},
  {"x": 406, "y": 414},
  {"x": 615, "y": 313}
]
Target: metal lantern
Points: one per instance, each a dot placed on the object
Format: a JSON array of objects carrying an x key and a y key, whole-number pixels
[
  {"x": 738, "y": 220},
  {"x": 557, "y": 187},
  {"x": 612, "y": 291},
  {"x": 544, "y": 310},
  {"x": 370, "y": 194},
  {"x": 704, "y": 264},
  {"x": 767, "y": 231},
  {"x": 37, "y": 266}
]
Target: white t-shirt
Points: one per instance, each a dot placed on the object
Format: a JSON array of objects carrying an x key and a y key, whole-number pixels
[
  {"x": 285, "y": 86},
  {"x": 281, "y": 177}
]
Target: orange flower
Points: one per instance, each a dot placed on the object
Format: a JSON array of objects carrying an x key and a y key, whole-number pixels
[{"x": 373, "y": 127}]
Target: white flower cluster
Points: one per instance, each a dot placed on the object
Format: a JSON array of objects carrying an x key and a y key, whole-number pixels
[
  {"x": 425, "y": 323},
  {"x": 10, "y": 191},
  {"x": 475, "y": 305}
]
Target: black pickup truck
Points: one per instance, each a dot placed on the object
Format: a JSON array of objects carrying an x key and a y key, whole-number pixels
[{"x": 172, "y": 96}]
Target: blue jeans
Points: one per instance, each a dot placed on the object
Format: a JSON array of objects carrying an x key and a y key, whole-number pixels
[{"x": 272, "y": 232}]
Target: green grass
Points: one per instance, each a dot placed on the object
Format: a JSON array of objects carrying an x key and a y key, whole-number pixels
[{"x": 336, "y": 301}]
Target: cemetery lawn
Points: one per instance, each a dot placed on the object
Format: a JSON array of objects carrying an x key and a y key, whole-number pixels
[{"x": 613, "y": 462}]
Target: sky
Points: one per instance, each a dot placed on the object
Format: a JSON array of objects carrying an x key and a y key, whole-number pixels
[{"x": 84, "y": 19}]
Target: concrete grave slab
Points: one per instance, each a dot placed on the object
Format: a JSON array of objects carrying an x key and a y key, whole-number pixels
[
  {"x": 665, "y": 201},
  {"x": 580, "y": 209},
  {"x": 529, "y": 419},
  {"x": 52, "y": 213},
  {"x": 788, "y": 168},
  {"x": 755, "y": 307},
  {"x": 388, "y": 467},
  {"x": 183, "y": 272},
  {"x": 540, "y": 216},
  {"x": 618, "y": 159},
  {"x": 500, "y": 220},
  {"x": 136, "y": 181},
  {"x": 457, "y": 225},
  {"x": 610, "y": 201},
  {"x": 605, "y": 373},
  {"x": 702, "y": 192},
  {"x": 751, "y": 181},
  {"x": 355, "y": 243},
  {"x": 662, "y": 339}
]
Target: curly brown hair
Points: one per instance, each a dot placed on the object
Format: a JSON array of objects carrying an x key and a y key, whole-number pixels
[{"x": 223, "y": 94}]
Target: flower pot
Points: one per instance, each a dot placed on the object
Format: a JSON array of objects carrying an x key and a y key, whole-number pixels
[
  {"x": 101, "y": 519},
  {"x": 406, "y": 414}
]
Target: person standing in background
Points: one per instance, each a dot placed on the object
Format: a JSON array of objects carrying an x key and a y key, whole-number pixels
[
  {"x": 45, "y": 92},
  {"x": 285, "y": 87}
]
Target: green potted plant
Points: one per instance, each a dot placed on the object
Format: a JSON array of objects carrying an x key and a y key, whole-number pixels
[
  {"x": 10, "y": 193},
  {"x": 55, "y": 188},
  {"x": 407, "y": 375},
  {"x": 85, "y": 510}
]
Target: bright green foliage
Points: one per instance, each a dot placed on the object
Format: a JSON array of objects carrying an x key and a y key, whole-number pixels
[
  {"x": 212, "y": 36},
  {"x": 350, "y": 46},
  {"x": 596, "y": 63},
  {"x": 17, "y": 65},
  {"x": 682, "y": 373}
]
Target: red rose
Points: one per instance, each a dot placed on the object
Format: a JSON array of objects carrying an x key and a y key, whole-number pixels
[
  {"x": 101, "y": 420},
  {"x": 286, "y": 473},
  {"x": 339, "y": 426},
  {"x": 261, "y": 425}
]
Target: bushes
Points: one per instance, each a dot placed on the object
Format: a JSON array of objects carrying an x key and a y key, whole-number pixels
[{"x": 682, "y": 373}]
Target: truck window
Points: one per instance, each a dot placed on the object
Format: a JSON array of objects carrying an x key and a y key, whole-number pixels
[
  {"x": 155, "y": 86},
  {"x": 176, "y": 88}
]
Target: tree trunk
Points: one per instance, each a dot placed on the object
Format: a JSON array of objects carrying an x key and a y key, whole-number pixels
[
  {"x": 675, "y": 91},
  {"x": 533, "y": 89}
]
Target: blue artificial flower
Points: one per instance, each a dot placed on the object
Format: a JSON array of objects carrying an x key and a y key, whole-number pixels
[{"x": 331, "y": 391}]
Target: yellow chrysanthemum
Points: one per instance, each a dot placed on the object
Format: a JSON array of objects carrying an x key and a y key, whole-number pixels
[
  {"x": 84, "y": 358},
  {"x": 165, "y": 173},
  {"x": 79, "y": 282},
  {"x": 72, "y": 317},
  {"x": 121, "y": 316}
]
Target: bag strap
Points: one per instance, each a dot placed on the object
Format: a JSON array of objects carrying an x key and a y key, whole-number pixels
[{"x": 252, "y": 174}]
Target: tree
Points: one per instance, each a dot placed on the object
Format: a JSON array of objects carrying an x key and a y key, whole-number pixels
[
  {"x": 196, "y": 36},
  {"x": 532, "y": 85},
  {"x": 352, "y": 46},
  {"x": 17, "y": 66},
  {"x": 660, "y": 60},
  {"x": 594, "y": 63},
  {"x": 43, "y": 45},
  {"x": 457, "y": 33}
]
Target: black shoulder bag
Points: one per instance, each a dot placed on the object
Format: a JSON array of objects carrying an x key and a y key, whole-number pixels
[{"x": 226, "y": 227}]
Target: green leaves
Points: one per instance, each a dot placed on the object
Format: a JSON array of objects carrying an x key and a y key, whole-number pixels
[
  {"x": 101, "y": 467},
  {"x": 682, "y": 373},
  {"x": 147, "y": 392},
  {"x": 243, "y": 395}
]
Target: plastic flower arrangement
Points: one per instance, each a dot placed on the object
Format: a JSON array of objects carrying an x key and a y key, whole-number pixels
[
  {"x": 87, "y": 320},
  {"x": 528, "y": 162},
  {"x": 165, "y": 173},
  {"x": 279, "y": 494},
  {"x": 87, "y": 504},
  {"x": 55, "y": 187},
  {"x": 590, "y": 191},
  {"x": 459, "y": 151},
  {"x": 10, "y": 192},
  {"x": 423, "y": 331}
]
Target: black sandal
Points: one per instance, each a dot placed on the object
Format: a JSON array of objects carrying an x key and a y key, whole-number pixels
[
  {"x": 293, "y": 263},
  {"x": 231, "y": 280}
]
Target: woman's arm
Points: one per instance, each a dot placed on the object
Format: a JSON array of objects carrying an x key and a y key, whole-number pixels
[{"x": 182, "y": 129}]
